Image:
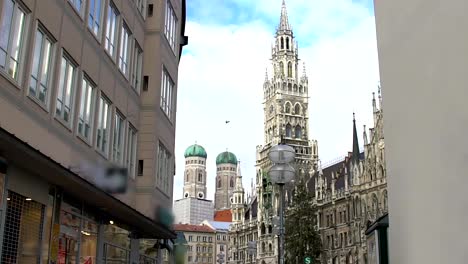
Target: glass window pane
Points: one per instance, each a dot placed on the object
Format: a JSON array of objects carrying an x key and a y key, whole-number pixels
[
  {"x": 46, "y": 62},
  {"x": 7, "y": 15},
  {"x": 37, "y": 55},
  {"x": 88, "y": 242}
]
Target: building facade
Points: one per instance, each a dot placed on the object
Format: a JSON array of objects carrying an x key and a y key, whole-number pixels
[
  {"x": 226, "y": 166},
  {"x": 194, "y": 208},
  {"x": 87, "y": 89},
  {"x": 222, "y": 239},
  {"x": 200, "y": 243},
  {"x": 350, "y": 194}
]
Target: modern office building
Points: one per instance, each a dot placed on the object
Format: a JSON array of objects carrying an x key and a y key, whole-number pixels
[
  {"x": 87, "y": 90},
  {"x": 192, "y": 210}
]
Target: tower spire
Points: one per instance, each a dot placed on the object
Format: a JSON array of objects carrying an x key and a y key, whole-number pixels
[
  {"x": 284, "y": 23},
  {"x": 239, "y": 178},
  {"x": 364, "y": 135},
  {"x": 355, "y": 156}
]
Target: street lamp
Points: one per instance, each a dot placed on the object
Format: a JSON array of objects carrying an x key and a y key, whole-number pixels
[{"x": 280, "y": 174}]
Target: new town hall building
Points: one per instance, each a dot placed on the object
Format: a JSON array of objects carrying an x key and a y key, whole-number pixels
[{"x": 348, "y": 194}]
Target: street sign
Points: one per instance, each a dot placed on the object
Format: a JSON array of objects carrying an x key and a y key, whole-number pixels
[{"x": 307, "y": 260}]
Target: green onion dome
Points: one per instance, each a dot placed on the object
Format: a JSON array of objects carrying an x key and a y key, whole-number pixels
[{"x": 195, "y": 151}]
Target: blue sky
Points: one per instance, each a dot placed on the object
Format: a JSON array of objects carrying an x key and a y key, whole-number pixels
[{"x": 223, "y": 68}]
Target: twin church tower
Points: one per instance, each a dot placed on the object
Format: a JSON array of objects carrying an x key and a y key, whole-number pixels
[
  {"x": 194, "y": 207},
  {"x": 227, "y": 170}
]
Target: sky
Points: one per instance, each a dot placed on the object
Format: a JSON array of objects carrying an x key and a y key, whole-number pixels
[{"x": 222, "y": 71}]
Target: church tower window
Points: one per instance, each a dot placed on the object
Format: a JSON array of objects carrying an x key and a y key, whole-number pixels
[
  {"x": 298, "y": 132},
  {"x": 219, "y": 183},
  {"x": 289, "y": 69},
  {"x": 288, "y": 130},
  {"x": 287, "y": 43},
  {"x": 282, "y": 43},
  {"x": 231, "y": 183},
  {"x": 281, "y": 65},
  {"x": 287, "y": 108},
  {"x": 297, "y": 109},
  {"x": 200, "y": 177}
]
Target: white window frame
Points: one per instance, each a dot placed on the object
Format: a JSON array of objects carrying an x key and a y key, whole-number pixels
[
  {"x": 141, "y": 7},
  {"x": 118, "y": 138},
  {"x": 170, "y": 26},
  {"x": 167, "y": 92},
  {"x": 164, "y": 171},
  {"x": 124, "y": 50},
  {"x": 103, "y": 125},
  {"x": 112, "y": 29},
  {"x": 66, "y": 91},
  {"x": 42, "y": 69},
  {"x": 87, "y": 106},
  {"x": 136, "y": 78},
  {"x": 15, "y": 30},
  {"x": 95, "y": 17},
  {"x": 131, "y": 150},
  {"x": 81, "y": 8}
]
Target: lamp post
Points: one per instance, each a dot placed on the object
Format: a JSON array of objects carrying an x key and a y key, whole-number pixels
[{"x": 280, "y": 174}]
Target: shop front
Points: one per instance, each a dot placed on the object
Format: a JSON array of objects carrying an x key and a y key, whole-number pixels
[{"x": 48, "y": 214}]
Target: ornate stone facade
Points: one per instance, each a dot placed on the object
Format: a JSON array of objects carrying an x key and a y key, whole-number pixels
[{"x": 350, "y": 194}]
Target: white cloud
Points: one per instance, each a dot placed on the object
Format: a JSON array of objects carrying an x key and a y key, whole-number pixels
[{"x": 222, "y": 74}]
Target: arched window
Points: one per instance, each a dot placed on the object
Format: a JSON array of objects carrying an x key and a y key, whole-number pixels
[
  {"x": 219, "y": 183},
  {"x": 289, "y": 69},
  {"x": 287, "y": 43},
  {"x": 290, "y": 87},
  {"x": 262, "y": 229},
  {"x": 297, "y": 109},
  {"x": 200, "y": 177},
  {"x": 231, "y": 183},
  {"x": 187, "y": 176},
  {"x": 281, "y": 66},
  {"x": 282, "y": 43},
  {"x": 263, "y": 246},
  {"x": 385, "y": 201},
  {"x": 298, "y": 132},
  {"x": 270, "y": 229},
  {"x": 287, "y": 108},
  {"x": 382, "y": 171},
  {"x": 270, "y": 247},
  {"x": 375, "y": 204},
  {"x": 288, "y": 130}
]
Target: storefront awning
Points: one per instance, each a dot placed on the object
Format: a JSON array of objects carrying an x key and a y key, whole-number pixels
[{"x": 22, "y": 154}]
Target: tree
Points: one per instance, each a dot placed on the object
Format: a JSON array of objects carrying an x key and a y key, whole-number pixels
[{"x": 301, "y": 239}]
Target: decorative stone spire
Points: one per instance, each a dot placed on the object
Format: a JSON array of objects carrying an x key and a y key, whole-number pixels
[
  {"x": 239, "y": 186},
  {"x": 380, "y": 97},
  {"x": 284, "y": 23},
  {"x": 355, "y": 156},
  {"x": 364, "y": 134}
]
